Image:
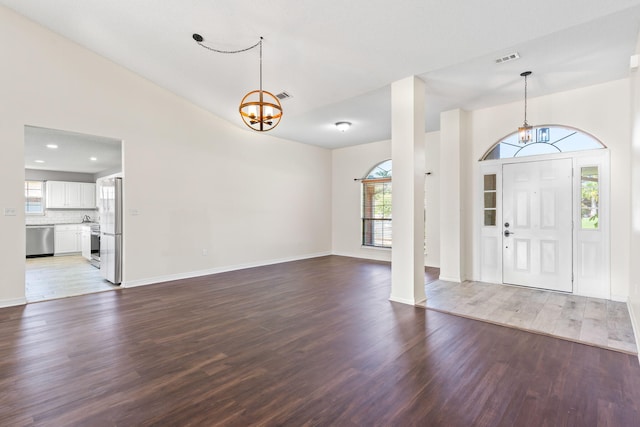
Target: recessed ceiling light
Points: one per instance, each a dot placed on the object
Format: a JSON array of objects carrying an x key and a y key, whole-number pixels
[
  {"x": 93, "y": 159},
  {"x": 39, "y": 161},
  {"x": 343, "y": 126},
  {"x": 52, "y": 146}
]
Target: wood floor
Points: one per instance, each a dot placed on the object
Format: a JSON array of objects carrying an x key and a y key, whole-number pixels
[{"x": 313, "y": 342}]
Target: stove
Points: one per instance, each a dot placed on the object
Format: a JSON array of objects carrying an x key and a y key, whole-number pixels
[{"x": 95, "y": 245}]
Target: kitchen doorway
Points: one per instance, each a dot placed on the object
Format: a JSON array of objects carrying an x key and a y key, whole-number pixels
[{"x": 62, "y": 219}]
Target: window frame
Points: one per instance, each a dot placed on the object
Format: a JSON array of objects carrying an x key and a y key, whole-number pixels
[
  {"x": 377, "y": 229},
  {"x": 27, "y": 197}
]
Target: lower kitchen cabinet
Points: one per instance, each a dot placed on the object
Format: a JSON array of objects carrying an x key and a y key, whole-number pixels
[
  {"x": 86, "y": 241},
  {"x": 67, "y": 239}
]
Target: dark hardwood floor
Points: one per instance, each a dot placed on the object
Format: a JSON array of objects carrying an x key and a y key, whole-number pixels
[{"x": 313, "y": 342}]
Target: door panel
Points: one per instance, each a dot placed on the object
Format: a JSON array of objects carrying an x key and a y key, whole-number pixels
[{"x": 537, "y": 216}]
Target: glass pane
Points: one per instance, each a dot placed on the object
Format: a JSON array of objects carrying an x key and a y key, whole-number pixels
[
  {"x": 490, "y": 182},
  {"x": 382, "y": 170},
  {"x": 33, "y": 192},
  {"x": 590, "y": 195},
  {"x": 548, "y": 139},
  {"x": 376, "y": 233},
  {"x": 490, "y": 199},
  {"x": 490, "y": 217}
]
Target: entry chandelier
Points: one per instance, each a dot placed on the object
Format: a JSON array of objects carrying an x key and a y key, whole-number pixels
[
  {"x": 259, "y": 109},
  {"x": 525, "y": 132}
]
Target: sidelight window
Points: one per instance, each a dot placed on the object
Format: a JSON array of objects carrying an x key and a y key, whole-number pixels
[
  {"x": 589, "y": 197},
  {"x": 490, "y": 199}
]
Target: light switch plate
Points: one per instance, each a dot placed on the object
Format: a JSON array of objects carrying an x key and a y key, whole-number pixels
[{"x": 9, "y": 211}]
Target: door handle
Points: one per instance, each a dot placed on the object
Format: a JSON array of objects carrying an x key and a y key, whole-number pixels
[{"x": 507, "y": 233}]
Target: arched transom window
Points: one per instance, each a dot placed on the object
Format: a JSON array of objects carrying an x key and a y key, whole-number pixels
[
  {"x": 549, "y": 139},
  {"x": 376, "y": 206}
]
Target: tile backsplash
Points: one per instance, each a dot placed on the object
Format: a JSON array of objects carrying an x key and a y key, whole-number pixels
[{"x": 62, "y": 216}]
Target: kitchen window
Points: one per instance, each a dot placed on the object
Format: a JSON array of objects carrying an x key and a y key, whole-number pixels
[{"x": 34, "y": 197}]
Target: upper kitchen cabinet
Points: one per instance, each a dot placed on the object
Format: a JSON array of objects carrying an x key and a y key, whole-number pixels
[{"x": 70, "y": 195}]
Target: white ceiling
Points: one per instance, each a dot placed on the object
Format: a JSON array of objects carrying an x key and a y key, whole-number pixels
[
  {"x": 338, "y": 58},
  {"x": 73, "y": 153}
]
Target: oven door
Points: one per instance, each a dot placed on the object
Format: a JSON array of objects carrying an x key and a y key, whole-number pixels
[{"x": 95, "y": 247}]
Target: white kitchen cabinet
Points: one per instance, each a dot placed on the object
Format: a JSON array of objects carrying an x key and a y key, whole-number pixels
[
  {"x": 85, "y": 241},
  {"x": 68, "y": 239},
  {"x": 70, "y": 195},
  {"x": 88, "y": 190},
  {"x": 55, "y": 194}
]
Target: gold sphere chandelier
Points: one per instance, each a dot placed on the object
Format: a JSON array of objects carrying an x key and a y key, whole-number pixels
[{"x": 259, "y": 109}]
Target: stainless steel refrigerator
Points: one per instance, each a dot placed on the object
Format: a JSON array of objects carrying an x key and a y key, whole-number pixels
[{"x": 110, "y": 208}]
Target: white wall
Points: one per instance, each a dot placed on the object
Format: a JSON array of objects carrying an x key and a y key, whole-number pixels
[
  {"x": 432, "y": 199},
  {"x": 348, "y": 164},
  {"x": 634, "y": 279},
  {"x": 354, "y": 162},
  {"x": 601, "y": 110},
  {"x": 197, "y": 181}
]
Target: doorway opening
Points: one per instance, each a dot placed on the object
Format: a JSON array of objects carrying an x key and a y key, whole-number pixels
[
  {"x": 62, "y": 216},
  {"x": 545, "y": 213}
]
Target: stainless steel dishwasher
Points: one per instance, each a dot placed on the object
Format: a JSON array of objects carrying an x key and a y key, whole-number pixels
[{"x": 40, "y": 240}]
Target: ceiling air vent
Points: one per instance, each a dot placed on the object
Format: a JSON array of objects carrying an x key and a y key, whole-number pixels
[
  {"x": 283, "y": 95},
  {"x": 507, "y": 58}
]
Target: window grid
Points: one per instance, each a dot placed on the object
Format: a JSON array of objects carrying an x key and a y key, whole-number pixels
[
  {"x": 376, "y": 213},
  {"x": 34, "y": 197}
]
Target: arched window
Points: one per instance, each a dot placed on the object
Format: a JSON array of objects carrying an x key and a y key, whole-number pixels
[
  {"x": 548, "y": 139},
  {"x": 376, "y": 206}
]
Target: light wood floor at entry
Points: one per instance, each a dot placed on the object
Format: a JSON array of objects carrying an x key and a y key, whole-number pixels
[
  {"x": 62, "y": 276},
  {"x": 592, "y": 321}
]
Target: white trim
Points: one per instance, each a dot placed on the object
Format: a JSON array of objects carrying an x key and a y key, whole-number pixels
[
  {"x": 450, "y": 279},
  {"x": 619, "y": 298},
  {"x": 385, "y": 255},
  {"x": 490, "y": 166},
  {"x": 634, "y": 322},
  {"x": 406, "y": 301},
  {"x": 216, "y": 270},
  {"x": 12, "y": 302}
]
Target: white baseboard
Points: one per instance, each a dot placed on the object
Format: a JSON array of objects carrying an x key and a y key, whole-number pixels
[
  {"x": 216, "y": 270},
  {"x": 450, "y": 279},
  {"x": 12, "y": 302},
  {"x": 372, "y": 254},
  {"x": 402, "y": 300},
  {"x": 635, "y": 317},
  {"x": 618, "y": 298}
]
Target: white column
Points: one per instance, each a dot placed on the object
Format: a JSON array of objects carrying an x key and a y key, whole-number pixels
[
  {"x": 407, "y": 154},
  {"x": 634, "y": 250},
  {"x": 451, "y": 134}
]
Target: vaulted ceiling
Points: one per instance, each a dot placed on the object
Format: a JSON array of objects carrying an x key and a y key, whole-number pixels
[{"x": 337, "y": 58}]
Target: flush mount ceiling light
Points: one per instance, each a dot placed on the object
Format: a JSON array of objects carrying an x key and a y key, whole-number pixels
[
  {"x": 525, "y": 132},
  {"x": 343, "y": 126},
  {"x": 259, "y": 109},
  {"x": 52, "y": 146}
]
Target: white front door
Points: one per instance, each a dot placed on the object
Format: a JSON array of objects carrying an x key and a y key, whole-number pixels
[{"x": 537, "y": 224}]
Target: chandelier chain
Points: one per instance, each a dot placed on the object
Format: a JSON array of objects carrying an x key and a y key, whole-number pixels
[
  {"x": 525, "y": 100},
  {"x": 259, "y": 43}
]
